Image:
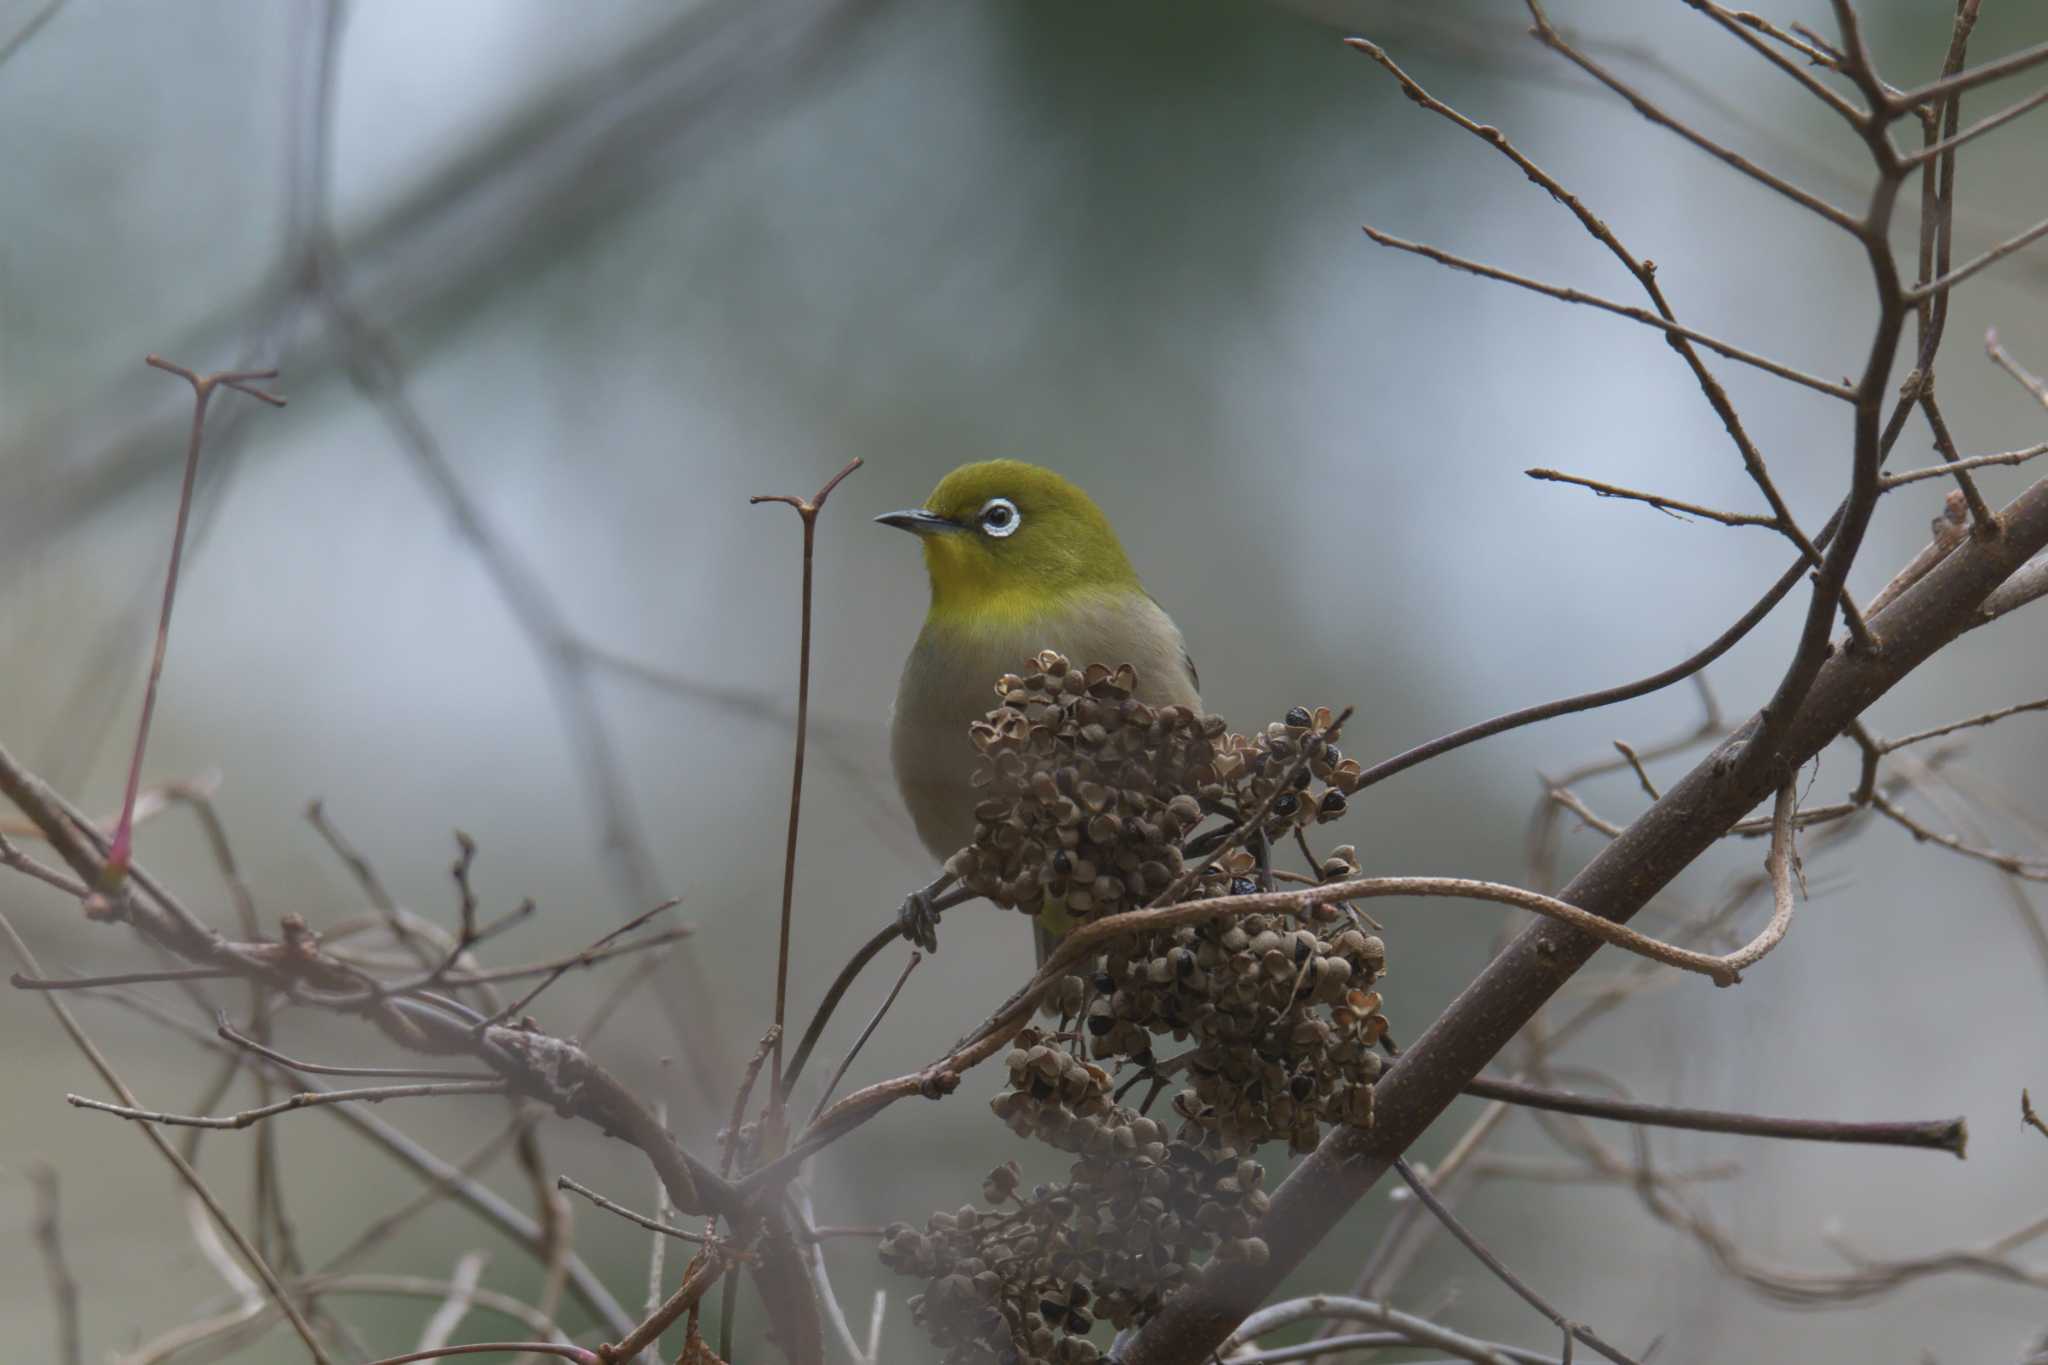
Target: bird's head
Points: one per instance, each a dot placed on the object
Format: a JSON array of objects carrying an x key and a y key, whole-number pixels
[{"x": 1005, "y": 540}]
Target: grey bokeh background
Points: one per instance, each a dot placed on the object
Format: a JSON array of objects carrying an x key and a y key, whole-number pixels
[{"x": 640, "y": 263}]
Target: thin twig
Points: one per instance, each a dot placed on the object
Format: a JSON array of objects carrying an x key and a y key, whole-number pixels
[
  {"x": 83, "y": 983},
  {"x": 1572, "y": 1330},
  {"x": 226, "y": 1032},
  {"x": 1417, "y": 1331},
  {"x": 1905, "y": 101},
  {"x": 1656, "y": 500},
  {"x": 184, "y": 1168},
  {"x": 303, "y": 1100},
  {"x": 583, "y": 958},
  {"x": 1944, "y": 283},
  {"x": 1980, "y": 512},
  {"x": 2026, "y": 378},
  {"x": 829, "y": 1003},
  {"x": 461, "y": 1294},
  {"x": 1741, "y": 25},
  {"x": 563, "y": 1182},
  {"x": 541, "y": 1348},
  {"x": 1568, "y": 294},
  {"x": 1635, "y": 764},
  {"x": 1938, "y": 471},
  {"x": 1891, "y": 745},
  {"x": 839, "y": 1072},
  {"x": 703, "y": 1273},
  {"x": 1976, "y": 130},
  {"x": 1945, "y": 1135},
  {"x": 2005, "y": 862},
  {"x": 1806, "y": 199},
  {"x": 807, "y": 510},
  {"x": 121, "y": 852}
]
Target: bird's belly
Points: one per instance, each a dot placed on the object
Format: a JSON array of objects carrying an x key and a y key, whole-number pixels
[{"x": 949, "y": 683}]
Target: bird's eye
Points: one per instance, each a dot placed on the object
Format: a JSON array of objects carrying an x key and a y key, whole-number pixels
[{"x": 999, "y": 517}]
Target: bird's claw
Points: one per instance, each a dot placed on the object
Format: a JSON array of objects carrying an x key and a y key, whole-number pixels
[{"x": 919, "y": 921}]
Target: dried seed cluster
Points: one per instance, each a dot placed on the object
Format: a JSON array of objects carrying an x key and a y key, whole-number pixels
[
  {"x": 1283, "y": 1016},
  {"x": 1087, "y": 793},
  {"x": 1023, "y": 1281},
  {"x": 1091, "y": 803}
]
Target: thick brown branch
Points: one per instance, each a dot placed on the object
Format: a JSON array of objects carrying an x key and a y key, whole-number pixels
[{"x": 1617, "y": 883}]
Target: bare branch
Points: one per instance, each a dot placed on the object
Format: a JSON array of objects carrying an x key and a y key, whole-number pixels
[
  {"x": 2004, "y": 862},
  {"x": 1572, "y": 1330},
  {"x": 20, "y": 38},
  {"x": 2028, "y": 584},
  {"x": 2028, "y": 380},
  {"x": 184, "y": 1168},
  {"x": 1946, "y": 1135},
  {"x": 1741, "y": 25},
  {"x": 583, "y": 958},
  {"x": 540, "y": 1348},
  {"x": 1976, "y": 130},
  {"x": 1943, "y": 284},
  {"x": 1987, "y": 718},
  {"x": 807, "y": 510},
  {"x": 304, "y": 1100},
  {"x": 1940, "y": 471},
  {"x": 461, "y": 1294},
  {"x": 84, "y": 983},
  {"x": 1656, "y": 500},
  {"x": 1416, "y": 1331},
  {"x": 1905, "y": 101},
  {"x": 1806, "y": 199},
  {"x": 1645, "y": 273},
  {"x": 563, "y": 1182},
  {"x": 1567, "y": 294},
  {"x": 839, "y": 1072},
  {"x": 1635, "y": 764}
]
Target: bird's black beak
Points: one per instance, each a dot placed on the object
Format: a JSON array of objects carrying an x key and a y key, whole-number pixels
[{"x": 919, "y": 522}]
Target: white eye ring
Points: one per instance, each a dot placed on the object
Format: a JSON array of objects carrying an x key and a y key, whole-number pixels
[{"x": 1000, "y": 517}]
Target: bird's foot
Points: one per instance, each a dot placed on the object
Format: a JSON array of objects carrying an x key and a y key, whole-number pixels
[{"x": 918, "y": 920}]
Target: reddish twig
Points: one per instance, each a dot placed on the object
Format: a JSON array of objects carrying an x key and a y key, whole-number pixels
[
  {"x": 807, "y": 509},
  {"x": 122, "y": 851}
]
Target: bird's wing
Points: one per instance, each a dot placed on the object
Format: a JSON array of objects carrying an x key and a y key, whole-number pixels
[{"x": 1187, "y": 660}]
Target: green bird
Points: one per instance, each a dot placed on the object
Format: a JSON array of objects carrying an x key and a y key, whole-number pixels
[{"x": 1020, "y": 561}]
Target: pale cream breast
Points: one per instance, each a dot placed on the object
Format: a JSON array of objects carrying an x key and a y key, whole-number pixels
[{"x": 949, "y": 683}]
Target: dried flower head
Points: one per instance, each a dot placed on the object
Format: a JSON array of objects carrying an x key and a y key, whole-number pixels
[
  {"x": 1091, "y": 803},
  {"x": 1088, "y": 796}
]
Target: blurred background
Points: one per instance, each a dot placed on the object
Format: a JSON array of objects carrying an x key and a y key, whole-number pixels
[{"x": 607, "y": 272}]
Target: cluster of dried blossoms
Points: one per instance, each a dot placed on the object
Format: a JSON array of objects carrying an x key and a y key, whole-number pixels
[
  {"x": 1024, "y": 1280},
  {"x": 1090, "y": 792},
  {"x": 1092, "y": 801}
]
